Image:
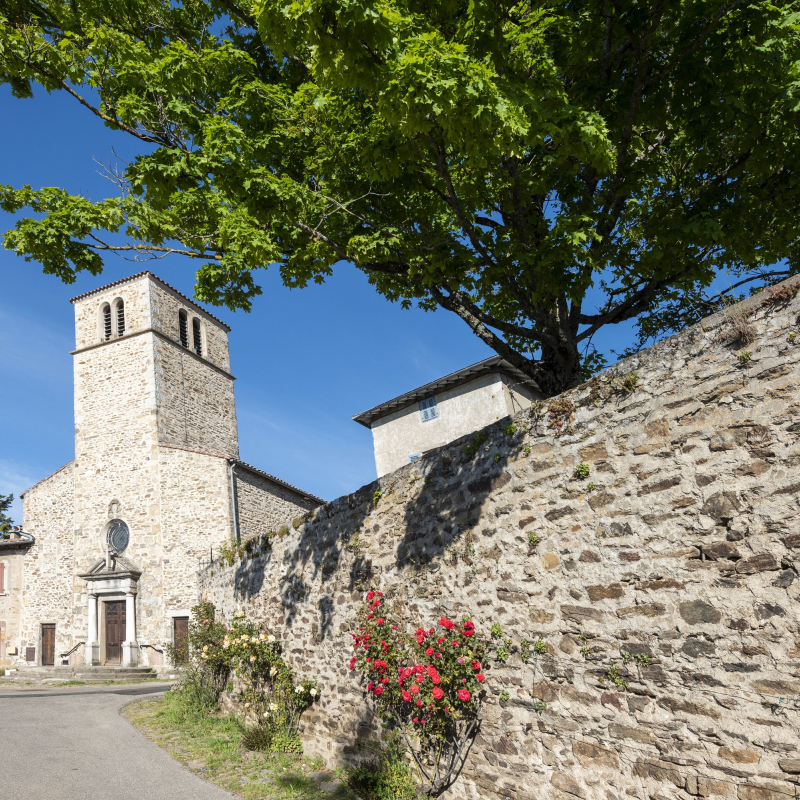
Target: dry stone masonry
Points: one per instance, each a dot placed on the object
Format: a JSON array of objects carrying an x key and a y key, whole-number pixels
[{"x": 671, "y": 567}]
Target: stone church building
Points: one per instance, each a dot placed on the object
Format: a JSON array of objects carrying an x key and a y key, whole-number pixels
[{"x": 104, "y": 570}]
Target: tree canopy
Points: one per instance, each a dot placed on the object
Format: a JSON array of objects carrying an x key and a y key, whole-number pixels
[
  {"x": 5, "y": 521},
  {"x": 541, "y": 169}
]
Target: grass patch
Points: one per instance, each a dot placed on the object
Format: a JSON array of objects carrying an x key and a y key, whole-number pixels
[{"x": 210, "y": 745}]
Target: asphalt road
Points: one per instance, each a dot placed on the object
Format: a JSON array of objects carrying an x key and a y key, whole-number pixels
[{"x": 71, "y": 743}]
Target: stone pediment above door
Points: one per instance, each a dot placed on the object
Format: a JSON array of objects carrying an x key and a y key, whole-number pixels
[{"x": 117, "y": 567}]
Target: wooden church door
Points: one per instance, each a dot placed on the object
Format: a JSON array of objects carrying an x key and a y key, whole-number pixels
[{"x": 115, "y": 631}]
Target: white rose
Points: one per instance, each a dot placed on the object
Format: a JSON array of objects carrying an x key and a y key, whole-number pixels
[
  {"x": 298, "y": 689},
  {"x": 270, "y": 638},
  {"x": 273, "y": 707},
  {"x": 252, "y": 658},
  {"x": 262, "y": 637},
  {"x": 313, "y": 692},
  {"x": 273, "y": 672}
]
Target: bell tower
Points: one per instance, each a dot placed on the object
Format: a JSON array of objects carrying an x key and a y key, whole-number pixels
[{"x": 155, "y": 425}]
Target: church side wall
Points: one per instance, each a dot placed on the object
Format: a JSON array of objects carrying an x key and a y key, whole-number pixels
[
  {"x": 679, "y": 546},
  {"x": 47, "y": 567},
  {"x": 196, "y": 509},
  {"x": 196, "y": 405},
  {"x": 263, "y": 505}
]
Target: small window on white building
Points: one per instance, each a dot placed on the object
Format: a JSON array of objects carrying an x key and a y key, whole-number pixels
[
  {"x": 428, "y": 409},
  {"x": 412, "y": 457}
]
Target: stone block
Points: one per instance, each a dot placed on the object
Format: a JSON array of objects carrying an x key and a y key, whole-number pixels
[
  {"x": 698, "y": 612},
  {"x": 762, "y": 562},
  {"x": 566, "y": 784},
  {"x": 739, "y": 756},
  {"x": 592, "y": 755},
  {"x": 610, "y": 592}
]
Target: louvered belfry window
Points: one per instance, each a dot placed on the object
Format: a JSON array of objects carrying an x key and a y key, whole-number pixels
[
  {"x": 183, "y": 327},
  {"x": 197, "y": 337},
  {"x": 106, "y": 322},
  {"x": 120, "y": 317}
]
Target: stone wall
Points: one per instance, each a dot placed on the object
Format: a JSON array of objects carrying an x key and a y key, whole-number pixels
[
  {"x": 680, "y": 545},
  {"x": 42, "y": 587},
  {"x": 264, "y": 504}
]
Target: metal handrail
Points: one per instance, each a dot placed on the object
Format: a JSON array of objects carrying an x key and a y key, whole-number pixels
[
  {"x": 70, "y": 652},
  {"x": 152, "y": 647}
]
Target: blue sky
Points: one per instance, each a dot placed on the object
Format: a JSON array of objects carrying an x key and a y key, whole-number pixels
[{"x": 306, "y": 360}]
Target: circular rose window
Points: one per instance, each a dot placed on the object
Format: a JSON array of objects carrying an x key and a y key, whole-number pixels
[{"x": 118, "y": 536}]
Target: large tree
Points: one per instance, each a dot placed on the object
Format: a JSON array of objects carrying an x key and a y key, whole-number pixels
[
  {"x": 541, "y": 169},
  {"x": 5, "y": 521}
]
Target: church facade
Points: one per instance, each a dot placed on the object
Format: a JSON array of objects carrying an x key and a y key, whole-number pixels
[{"x": 107, "y": 574}]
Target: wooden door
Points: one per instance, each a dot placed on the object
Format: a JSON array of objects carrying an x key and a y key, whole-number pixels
[
  {"x": 180, "y": 639},
  {"x": 115, "y": 631},
  {"x": 48, "y": 645}
]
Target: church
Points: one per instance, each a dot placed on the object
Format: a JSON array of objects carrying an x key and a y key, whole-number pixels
[{"x": 103, "y": 570}]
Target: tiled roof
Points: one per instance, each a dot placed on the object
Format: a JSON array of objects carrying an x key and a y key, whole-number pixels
[
  {"x": 485, "y": 367},
  {"x": 189, "y": 300}
]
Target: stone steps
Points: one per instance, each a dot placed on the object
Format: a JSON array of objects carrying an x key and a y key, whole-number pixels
[{"x": 83, "y": 674}]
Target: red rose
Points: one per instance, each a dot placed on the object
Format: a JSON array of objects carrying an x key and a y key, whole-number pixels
[
  {"x": 369, "y": 686},
  {"x": 419, "y": 668},
  {"x": 438, "y": 694},
  {"x": 480, "y": 678},
  {"x": 436, "y": 679},
  {"x": 469, "y": 625},
  {"x": 408, "y": 672},
  {"x": 467, "y": 633},
  {"x": 419, "y": 703},
  {"x": 420, "y": 678},
  {"x": 370, "y": 595},
  {"x": 407, "y": 696},
  {"x": 463, "y": 695},
  {"x": 414, "y": 688},
  {"x": 454, "y": 644},
  {"x": 431, "y": 670},
  {"x": 476, "y": 664},
  {"x": 415, "y": 719},
  {"x": 446, "y": 623},
  {"x": 384, "y": 680},
  {"x": 379, "y": 691},
  {"x": 438, "y": 655},
  {"x": 429, "y": 651},
  {"x": 369, "y": 616},
  {"x": 379, "y": 621},
  {"x": 352, "y": 662},
  {"x": 420, "y": 640}
]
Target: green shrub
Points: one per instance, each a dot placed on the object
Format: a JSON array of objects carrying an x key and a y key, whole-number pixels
[
  {"x": 475, "y": 444},
  {"x": 268, "y": 739},
  {"x": 389, "y": 777},
  {"x": 582, "y": 471}
]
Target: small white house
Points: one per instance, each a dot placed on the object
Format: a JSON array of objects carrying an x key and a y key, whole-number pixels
[{"x": 405, "y": 428}]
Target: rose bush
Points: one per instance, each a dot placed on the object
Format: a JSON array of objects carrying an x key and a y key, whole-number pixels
[
  {"x": 427, "y": 682},
  {"x": 270, "y": 692}
]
